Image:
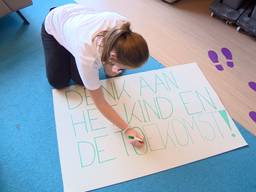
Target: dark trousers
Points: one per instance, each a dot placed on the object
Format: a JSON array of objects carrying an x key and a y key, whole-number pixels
[{"x": 60, "y": 63}]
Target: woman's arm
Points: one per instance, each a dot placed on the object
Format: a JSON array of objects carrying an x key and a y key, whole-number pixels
[{"x": 112, "y": 115}]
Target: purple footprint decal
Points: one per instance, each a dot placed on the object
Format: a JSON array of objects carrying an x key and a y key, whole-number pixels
[
  {"x": 252, "y": 114},
  {"x": 214, "y": 58},
  {"x": 252, "y": 85},
  {"x": 227, "y": 53}
]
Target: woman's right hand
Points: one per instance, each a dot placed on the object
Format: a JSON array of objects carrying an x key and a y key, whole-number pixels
[
  {"x": 108, "y": 112},
  {"x": 134, "y": 133}
]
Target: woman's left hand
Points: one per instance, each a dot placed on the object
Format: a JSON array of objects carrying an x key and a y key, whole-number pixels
[{"x": 112, "y": 70}]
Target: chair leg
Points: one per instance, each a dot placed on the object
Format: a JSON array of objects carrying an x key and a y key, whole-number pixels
[{"x": 24, "y": 19}]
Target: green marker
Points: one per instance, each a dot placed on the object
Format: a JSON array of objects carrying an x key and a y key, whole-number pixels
[{"x": 135, "y": 138}]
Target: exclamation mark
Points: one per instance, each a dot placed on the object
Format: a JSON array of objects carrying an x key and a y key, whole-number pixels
[{"x": 224, "y": 115}]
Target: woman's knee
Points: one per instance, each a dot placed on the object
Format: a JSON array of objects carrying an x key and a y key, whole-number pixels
[{"x": 58, "y": 84}]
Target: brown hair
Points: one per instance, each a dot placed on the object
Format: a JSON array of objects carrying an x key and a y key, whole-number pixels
[{"x": 130, "y": 47}]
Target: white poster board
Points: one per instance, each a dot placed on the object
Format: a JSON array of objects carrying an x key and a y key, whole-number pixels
[{"x": 182, "y": 119}]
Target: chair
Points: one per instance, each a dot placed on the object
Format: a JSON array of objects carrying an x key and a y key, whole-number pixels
[{"x": 9, "y": 6}]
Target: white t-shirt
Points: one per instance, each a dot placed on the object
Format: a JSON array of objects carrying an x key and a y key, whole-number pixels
[{"x": 74, "y": 27}]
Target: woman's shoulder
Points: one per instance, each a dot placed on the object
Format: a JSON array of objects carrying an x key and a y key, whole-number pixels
[{"x": 110, "y": 15}]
